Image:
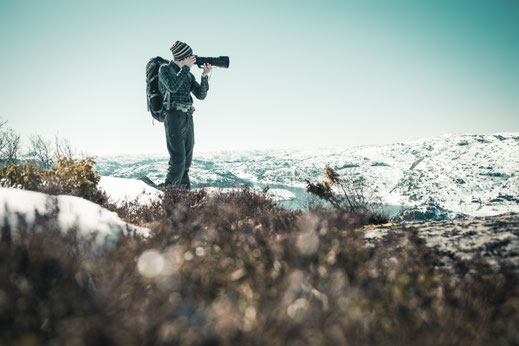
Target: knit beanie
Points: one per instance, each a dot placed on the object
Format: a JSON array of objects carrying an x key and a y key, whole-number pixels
[{"x": 180, "y": 50}]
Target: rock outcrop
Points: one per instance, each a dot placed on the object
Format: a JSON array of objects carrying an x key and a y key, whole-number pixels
[{"x": 494, "y": 239}]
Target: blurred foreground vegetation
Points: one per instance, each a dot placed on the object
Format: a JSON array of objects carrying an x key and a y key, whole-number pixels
[{"x": 235, "y": 268}]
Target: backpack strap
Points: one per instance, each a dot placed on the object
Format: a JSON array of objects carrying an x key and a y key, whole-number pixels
[
  {"x": 167, "y": 92},
  {"x": 167, "y": 99}
]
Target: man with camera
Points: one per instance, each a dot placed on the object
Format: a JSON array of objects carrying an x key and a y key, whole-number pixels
[{"x": 176, "y": 83}]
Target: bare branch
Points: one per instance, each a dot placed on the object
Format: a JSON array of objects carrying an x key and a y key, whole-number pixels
[
  {"x": 2, "y": 134},
  {"x": 42, "y": 151},
  {"x": 63, "y": 147},
  {"x": 10, "y": 149},
  {"x": 9, "y": 145}
]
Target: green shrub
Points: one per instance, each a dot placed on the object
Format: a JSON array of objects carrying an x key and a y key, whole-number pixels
[
  {"x": 74, "y": 177},
  {"x": 24, "y": 175},
  {"x": 69, "y": 176}
]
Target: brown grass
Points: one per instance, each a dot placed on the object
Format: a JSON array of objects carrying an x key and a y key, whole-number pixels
[{"x": 236, "y": 269}]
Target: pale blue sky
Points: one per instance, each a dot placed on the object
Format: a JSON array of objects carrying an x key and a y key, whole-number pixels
[{"x": 303, "y": 74}]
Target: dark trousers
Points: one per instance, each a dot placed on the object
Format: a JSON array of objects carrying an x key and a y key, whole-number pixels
[{"x": 180, "y": 139}]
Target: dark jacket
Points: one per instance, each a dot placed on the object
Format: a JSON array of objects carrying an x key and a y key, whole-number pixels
[{"x": 180, "y": 83}]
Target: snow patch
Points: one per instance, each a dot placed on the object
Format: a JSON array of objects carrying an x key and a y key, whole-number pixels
[
  {"x": 120, "y": 190},
  {"x": 72, "y": 212}
]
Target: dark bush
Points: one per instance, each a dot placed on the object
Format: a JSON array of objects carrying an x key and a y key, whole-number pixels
[{"x": 236, "y": 269}]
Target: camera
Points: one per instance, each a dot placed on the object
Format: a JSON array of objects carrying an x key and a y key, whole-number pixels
[{"x": 221, "y": 61}]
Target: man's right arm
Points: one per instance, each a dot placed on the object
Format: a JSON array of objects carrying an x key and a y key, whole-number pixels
[{"x": 171, "y": 81}]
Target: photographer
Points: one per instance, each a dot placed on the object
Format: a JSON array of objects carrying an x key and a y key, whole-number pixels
[{"x": 176, "y": 83}]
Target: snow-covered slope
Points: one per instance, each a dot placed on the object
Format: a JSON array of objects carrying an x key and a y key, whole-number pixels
[
  {"x": 448, "y": 175},
  {"x": 121, "y": 189},
  {"x": 71, "y": 212}
]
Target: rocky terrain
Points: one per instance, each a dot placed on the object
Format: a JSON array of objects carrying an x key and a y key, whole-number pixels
[{"x": 493, "y": 239}]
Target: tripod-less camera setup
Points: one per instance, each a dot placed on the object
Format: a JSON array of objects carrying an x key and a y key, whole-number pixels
[{"x": 221, "y": 61}]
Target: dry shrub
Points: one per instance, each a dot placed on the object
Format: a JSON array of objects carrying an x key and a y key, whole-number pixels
[
  {"x": 354, "y": 195},
  {"x": 132, "y": 211},
  {"x": 240, "y": 207},
  {"x": 236, "y": 269}
]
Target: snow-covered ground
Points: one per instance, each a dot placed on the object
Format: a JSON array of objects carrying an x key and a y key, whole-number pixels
[
  {"x": 85, "y": 216},
  {"x": 128, "y": 189},
  {"x": 121, "y": 189},
  {"x": 71, "y": 213}
]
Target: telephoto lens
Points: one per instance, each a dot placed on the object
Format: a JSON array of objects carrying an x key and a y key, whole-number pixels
[{"x": 221, "y": 61}]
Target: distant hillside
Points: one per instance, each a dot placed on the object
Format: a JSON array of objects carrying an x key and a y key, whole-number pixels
[{"x": 435, "y": 178}]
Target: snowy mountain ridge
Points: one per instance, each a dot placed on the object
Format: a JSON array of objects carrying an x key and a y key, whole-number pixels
[{"x": 452, "y": 175}]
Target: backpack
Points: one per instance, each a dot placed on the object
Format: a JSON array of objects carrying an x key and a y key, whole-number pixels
[{"x": 153, "y": 96}]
